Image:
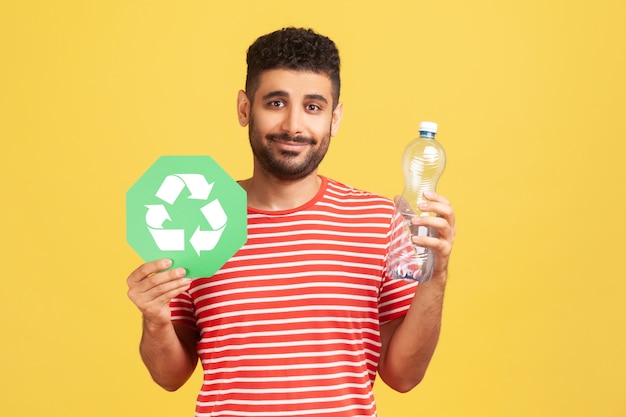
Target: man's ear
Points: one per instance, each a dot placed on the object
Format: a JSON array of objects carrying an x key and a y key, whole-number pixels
[
  {"x": 336, "y": 120},
  {"x": 243, "y": 108}
]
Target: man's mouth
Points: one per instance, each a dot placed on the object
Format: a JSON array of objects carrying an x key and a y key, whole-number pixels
[{"x": 286, "y": 138}]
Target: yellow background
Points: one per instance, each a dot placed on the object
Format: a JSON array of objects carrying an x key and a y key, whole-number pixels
[{"x": 531, "y": 101}]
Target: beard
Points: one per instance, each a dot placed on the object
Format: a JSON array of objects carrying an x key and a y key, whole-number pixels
[{"x": 286, "y": 165}]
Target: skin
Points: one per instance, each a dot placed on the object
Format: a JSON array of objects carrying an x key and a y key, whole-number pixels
[{"x": 288, "y": 105}]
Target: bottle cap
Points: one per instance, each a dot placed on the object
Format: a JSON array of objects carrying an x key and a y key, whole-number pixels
[{"x": 428, "y": 127}]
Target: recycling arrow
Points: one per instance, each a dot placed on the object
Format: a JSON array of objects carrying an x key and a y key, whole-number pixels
[
  {"x": 207, "y": 239},
  {"x": 172, "y": 239},
  {"x": 156, "y": 215},
  {"x": 173, "y": 185}
]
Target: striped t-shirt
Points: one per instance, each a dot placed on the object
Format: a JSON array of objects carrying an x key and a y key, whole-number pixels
[{"x": 289, "y": 326}]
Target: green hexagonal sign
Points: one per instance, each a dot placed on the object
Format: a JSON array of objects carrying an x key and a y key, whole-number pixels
[{"x": 187, "y": 209}]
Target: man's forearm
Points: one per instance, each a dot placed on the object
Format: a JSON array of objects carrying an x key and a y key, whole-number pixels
[
  {"x": 413, "y": 343},
  {"x": 167, "y": 358}
]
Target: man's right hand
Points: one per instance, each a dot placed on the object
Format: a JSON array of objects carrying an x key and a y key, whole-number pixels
[
  {"x": 167, "y": 349},
  {"x": 152, "y": 286}
]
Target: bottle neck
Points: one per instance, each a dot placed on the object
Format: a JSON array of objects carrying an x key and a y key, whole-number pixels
[{"x": 427, "y": 135}]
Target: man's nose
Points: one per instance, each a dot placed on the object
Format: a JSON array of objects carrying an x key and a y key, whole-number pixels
[{"x": 293, "y": 121}]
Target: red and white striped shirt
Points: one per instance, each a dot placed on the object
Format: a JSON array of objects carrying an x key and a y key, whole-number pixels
[{"x": 289, "y": 325}]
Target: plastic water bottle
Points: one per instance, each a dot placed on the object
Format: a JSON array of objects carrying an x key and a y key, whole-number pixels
[{"x": 423, "y": 162}]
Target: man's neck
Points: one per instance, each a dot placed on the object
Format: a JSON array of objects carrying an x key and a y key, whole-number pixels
[{"x": 271, "y": 194}]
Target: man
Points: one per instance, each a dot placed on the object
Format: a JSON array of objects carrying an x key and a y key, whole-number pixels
[{"x": 303, "y": 317}]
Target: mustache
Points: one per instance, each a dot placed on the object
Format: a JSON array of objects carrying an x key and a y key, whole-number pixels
[{"x": 285, "y": 137}]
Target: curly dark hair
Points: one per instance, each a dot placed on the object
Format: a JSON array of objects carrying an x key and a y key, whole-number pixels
[{"x": 297, "y": 49}]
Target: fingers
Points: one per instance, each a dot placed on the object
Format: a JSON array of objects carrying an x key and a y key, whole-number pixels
[
  {"x": 151, "y": 286},
  {"x": 438, "y": 204},
  {"x": 444, "y": 238},
  {"x": 147, "y": 269},
  {"x": 433, "y": 196},
  {"x": 444, "y": 223}
]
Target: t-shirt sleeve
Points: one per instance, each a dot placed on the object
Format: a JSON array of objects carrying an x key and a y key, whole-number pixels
[
  {"x": 395, "y": 298},
  {"x": 182, "y": 310}
]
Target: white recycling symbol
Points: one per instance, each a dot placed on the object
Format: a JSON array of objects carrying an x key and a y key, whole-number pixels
[{"x": 174, "y": 239}]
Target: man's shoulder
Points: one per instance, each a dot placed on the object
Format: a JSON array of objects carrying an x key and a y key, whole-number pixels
[{"x": 341, "y": 190}]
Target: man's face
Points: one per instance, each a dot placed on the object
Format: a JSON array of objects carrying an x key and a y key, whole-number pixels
[{"x": 291, "y": 120}]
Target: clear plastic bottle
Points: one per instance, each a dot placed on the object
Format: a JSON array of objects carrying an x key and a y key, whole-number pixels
[{"x": 423, "y": 162}]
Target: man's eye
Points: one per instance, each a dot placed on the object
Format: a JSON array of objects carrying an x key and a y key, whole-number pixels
[
  {"x": 313, "y": 107},
  {"x": 276, "y": 104}
]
